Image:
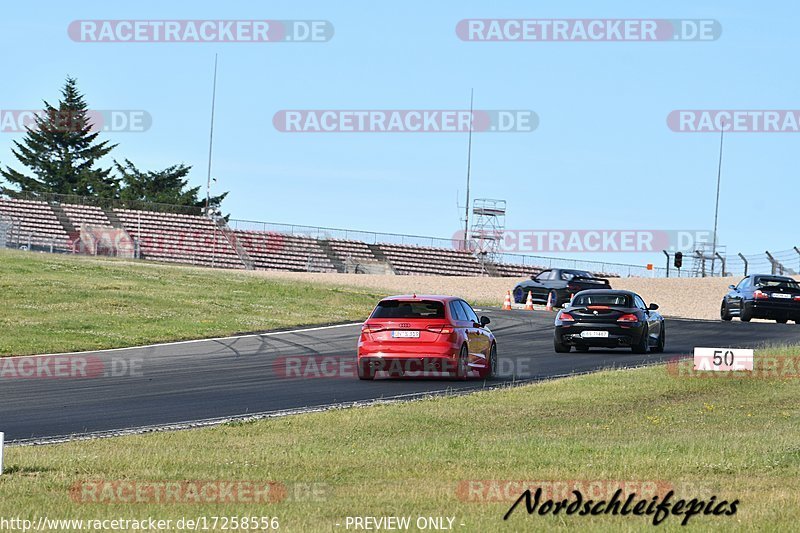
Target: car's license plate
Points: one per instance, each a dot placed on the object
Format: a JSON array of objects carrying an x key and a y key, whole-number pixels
[
  {"x": 594, "y": 334},
  {"x": 781, "y": 295},
  {"x": 406, "y": 334}
]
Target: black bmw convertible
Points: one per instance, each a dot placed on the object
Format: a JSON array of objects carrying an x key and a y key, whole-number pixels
[{"x": 604, "y": 318}]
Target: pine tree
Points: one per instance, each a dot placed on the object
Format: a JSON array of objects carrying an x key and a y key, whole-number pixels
[
  {"x": 62, "y": 153},
  {"x": 166, "y": 186}
]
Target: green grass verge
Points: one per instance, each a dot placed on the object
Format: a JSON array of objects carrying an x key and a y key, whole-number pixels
[
  {"x": 733, "y": 438},
  {"x": 64, "y": 303}
]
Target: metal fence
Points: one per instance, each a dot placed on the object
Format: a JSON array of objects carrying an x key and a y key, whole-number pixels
[
  {"x": 371, "y": 237},
  {"x": 782, "y": 262},
  {"x": 26, "y": 240},
  {"x": 318, "y": 232},
  {"x": 785, "y": 262},
  {"x": 619, "y": 269},
  {"x": 6, "y": 225},
  {"x": 107, "y": 203}
]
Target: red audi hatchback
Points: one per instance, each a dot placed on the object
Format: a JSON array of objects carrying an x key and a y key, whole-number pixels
[{"x": 427, "y": 334}]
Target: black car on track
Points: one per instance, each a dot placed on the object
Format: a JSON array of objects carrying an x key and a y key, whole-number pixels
[
  {"x": 763, "y": 296},
  {"x": 605, "y": 318},
  {"x": 558, "y": 283}
]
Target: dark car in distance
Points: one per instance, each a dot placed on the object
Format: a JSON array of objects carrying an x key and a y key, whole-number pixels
[
  {"x": 763, "y": 296},
  {"x": 609, "y": 319},
  {"x": 559, "y": 284}
]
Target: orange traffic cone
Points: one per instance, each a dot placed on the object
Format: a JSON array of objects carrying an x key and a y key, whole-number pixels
[
  {"x": 529, "y": 302},
  {"x": 507, "y": 302},
  {"x": 549, "y": 306}
]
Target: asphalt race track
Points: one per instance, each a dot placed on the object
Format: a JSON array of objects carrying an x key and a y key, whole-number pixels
[{"x": 207, "y": 379}]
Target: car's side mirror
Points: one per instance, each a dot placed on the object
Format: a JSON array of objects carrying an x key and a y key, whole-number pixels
[
  {"x": 652, "y": 307},
  {"x": 732, "y": 287},
  {"x": 484, "y": 320}
]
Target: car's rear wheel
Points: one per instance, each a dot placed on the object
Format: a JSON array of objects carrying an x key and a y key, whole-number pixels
[
  {"x": 559, "y": 346},
  {"x": 643, "y": 344},
  {"x": 491, "y": 371},
  {"x": 365, "y": 371},
  {"x": 519, "y": 295},
  {"x": 746, "y": 315},
  {"x": 462, "y": 369},
  {"x": 724, "y": 313},
  {"x": 662, "y": 340}
]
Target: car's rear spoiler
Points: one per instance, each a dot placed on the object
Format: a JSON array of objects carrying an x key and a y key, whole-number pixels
[{"x": 591, "y": 278}]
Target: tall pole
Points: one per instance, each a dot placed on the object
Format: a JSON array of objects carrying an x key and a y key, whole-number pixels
[
  {"x": 469, "y": 164},
  {"x": 716, "y": 209},
  {"x": 211, "y": 135}
]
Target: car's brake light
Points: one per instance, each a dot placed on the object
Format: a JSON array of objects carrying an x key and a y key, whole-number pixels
[
  {"x": 566, "y": 317},
  {"x": 598, "y": 307},
  {"x": 797, "y": 298},
  {"x": 371, "y": 328},
  {"x": 630, "y": 317},
  {"x": 442, "y": 330},
  {"x": 760, "y": 295}
]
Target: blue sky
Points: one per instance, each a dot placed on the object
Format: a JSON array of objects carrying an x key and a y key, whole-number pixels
[{"x": 602, "y": 156}]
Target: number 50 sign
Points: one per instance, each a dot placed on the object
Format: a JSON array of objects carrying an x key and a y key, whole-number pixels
[{"x": 723, "y": 359}]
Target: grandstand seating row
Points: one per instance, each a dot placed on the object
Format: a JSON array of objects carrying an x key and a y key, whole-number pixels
[
  {"x": 86, "y": 214},
  {"x": 353, "y": 250},
  {"x": 508, "y": 270},
  {"x": 194, "y": 239},
  {"x": 36, "y": 224},
  {"x": 276, "y": 251},
  {"x": 421, "y": 260}
]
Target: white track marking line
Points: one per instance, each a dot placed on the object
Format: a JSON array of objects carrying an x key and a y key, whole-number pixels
[{"x": 192, "y": 341}]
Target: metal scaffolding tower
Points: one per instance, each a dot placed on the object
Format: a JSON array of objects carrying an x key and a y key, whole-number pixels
[
  {"x": 488, "y": 226},
  {"x": 709, "y": 260}
]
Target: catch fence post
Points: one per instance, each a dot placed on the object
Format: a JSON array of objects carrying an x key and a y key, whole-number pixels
[
  {"x": 722, "y": 261},
  {"x": 796, "y": 249}
]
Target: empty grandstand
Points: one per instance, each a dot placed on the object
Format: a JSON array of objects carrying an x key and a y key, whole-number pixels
[
  {"x": 174, "y": 234},
  {"x": 36, "y": 225},
  {"x": 86, "y": 214},
  {"x": 275, "y": 251},
  {"x": 419, "y": 260}
]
